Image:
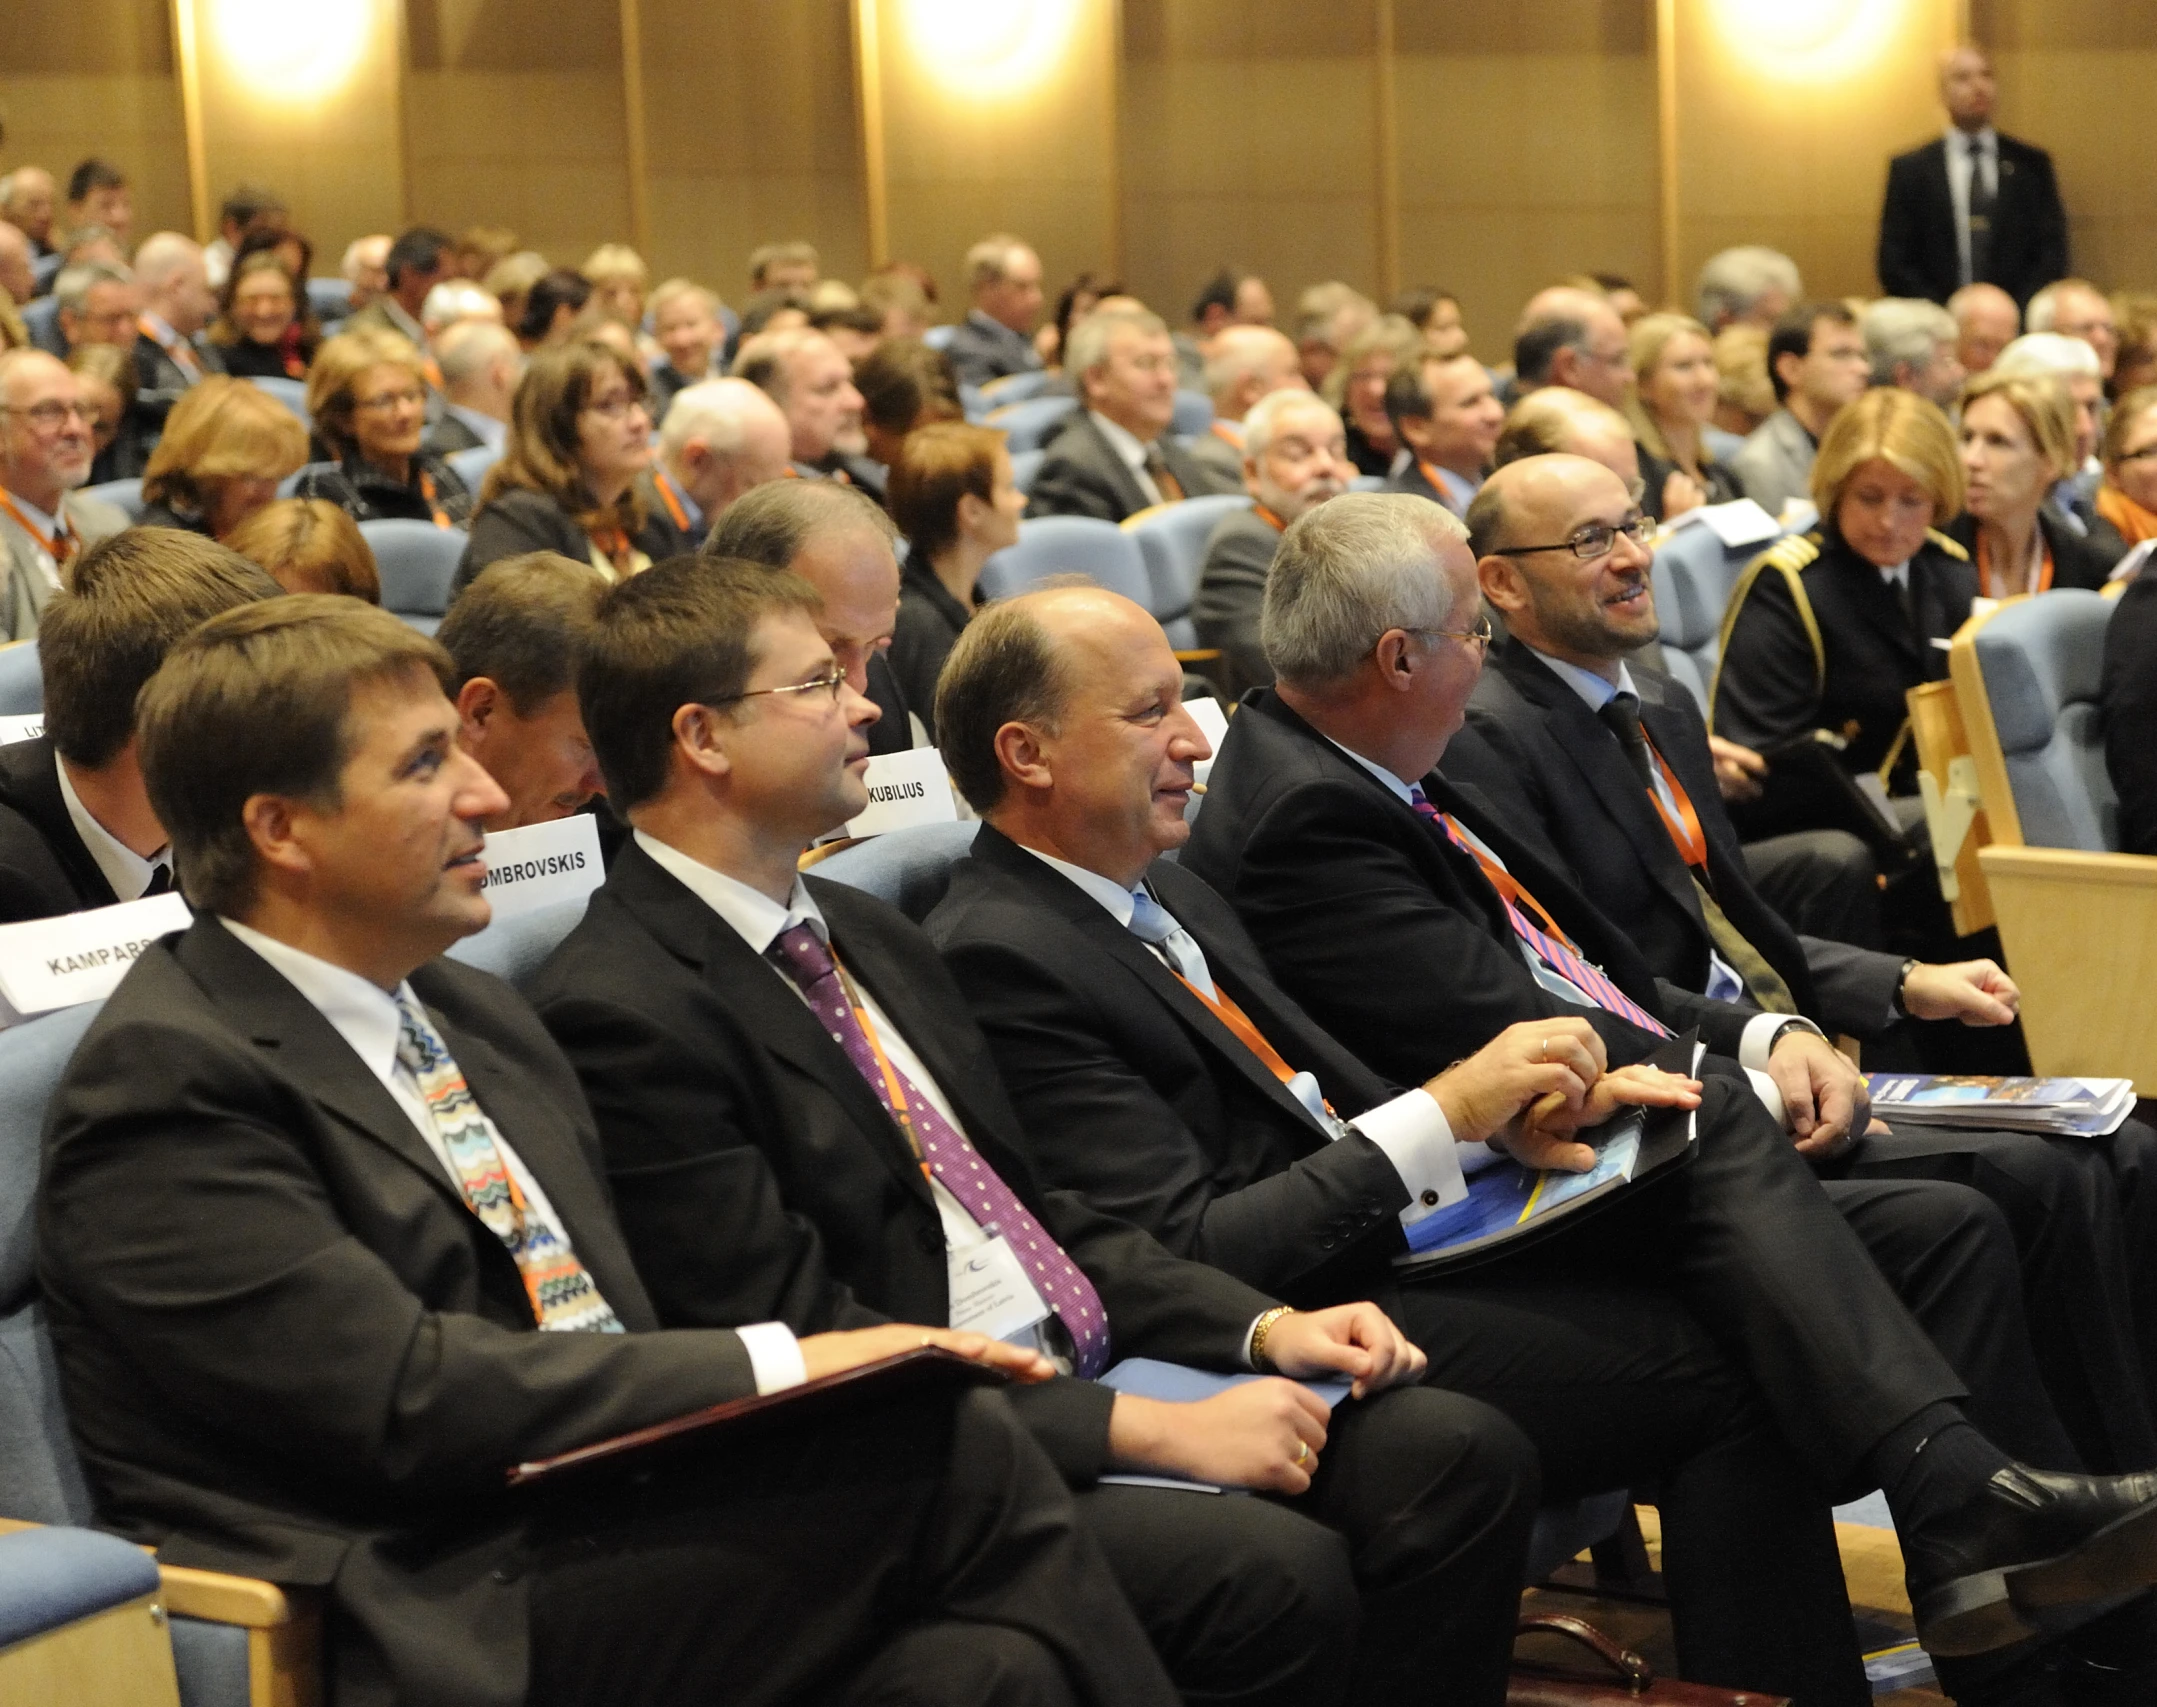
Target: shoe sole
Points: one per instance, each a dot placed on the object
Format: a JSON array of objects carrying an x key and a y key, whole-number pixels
[
  {"x": 1969, "y": 1615},
  {"x": 2119, "y": 1559}
]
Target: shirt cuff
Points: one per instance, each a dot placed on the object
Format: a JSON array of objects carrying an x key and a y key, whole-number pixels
[
  {"x": 774, "y": 1356},
  {"x": 1760, "y": 1034},
  {"x": 1770, "y": 1095},
  {"x": 1417, "y": 1139}
]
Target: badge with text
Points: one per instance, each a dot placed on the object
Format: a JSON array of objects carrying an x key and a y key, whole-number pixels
[
  {"x": 541, "y": 863},
  {"x": 81, "y": 957},
  {"x": 906, "y": 789},
  {"x": 990, "y": 1293},
  {"x": 13, "y": 729}
]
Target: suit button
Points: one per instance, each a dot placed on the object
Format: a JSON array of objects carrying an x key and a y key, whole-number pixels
[
  {"x": 1430, "y": 1199},
  {"x": 1328, "y": 1242}
]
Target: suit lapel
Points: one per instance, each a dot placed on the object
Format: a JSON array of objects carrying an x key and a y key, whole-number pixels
[
  {"x": 1118, "y": 471},
  {"x": 33, "y": 789}
]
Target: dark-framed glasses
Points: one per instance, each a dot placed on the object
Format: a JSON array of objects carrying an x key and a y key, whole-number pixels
[{"x": 1595, "y": 540}]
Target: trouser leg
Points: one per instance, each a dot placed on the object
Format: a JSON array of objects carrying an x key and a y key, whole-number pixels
[
  {"x": 2128, "y": 1160},
  {"x": 961, "y": 1665},
  {"x": 1823, "y": 882}
]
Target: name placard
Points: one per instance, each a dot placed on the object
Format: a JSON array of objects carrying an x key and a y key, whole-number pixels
[
  {"x": 541, "y": 863},
  {"x": 906, "y": 789},
  {"x": 13, "y": 729},
  {"x": 81, "y": 957}
]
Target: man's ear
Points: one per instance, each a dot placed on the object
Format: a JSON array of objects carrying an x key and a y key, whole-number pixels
[
  {"x": 1025, "y": 762},
  {"x": 1415, "y": 431},
  {"x": 477, "y": 701},
  {"x": 697, "y": 740},
  {"x": 1502, "y": 583},
  {"x": 1789, "y": 375},
  {"x": 272, "y": 826}
]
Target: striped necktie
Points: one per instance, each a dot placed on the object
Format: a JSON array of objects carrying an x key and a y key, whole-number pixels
[
  {"x": 1548, "y": 946},
  {"x": 564, "y": 1299}
]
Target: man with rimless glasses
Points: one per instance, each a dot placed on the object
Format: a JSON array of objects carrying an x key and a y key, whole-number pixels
[{"x": 45, "y": 453}]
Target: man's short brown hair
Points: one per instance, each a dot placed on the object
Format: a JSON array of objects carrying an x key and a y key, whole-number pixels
[
  {"x": 679, "y": 634},
  {"x": 126, "y": 604},
  {"x": 520, "y": 622},
  {"x": 259, "y": 701},
  {"x": 1003, "y": 669}
]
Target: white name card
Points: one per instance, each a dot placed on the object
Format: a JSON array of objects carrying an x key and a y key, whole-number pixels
[
  {"x": 906, "y": 789},
  {"x": 81, "y": 957},
  {"x": 13, "y": 729},
  {"x": 1738, "y": 523},
  {"x": 541, "y": 863}
]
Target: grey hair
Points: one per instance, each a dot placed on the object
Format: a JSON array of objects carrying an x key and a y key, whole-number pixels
[
  {"x": 989, "y": 260},
  {"x": 717, "y": 411},
  {"x": 71, "y": 288},
  {"x": 1904, "y": 329},
  {"x": 1258, "y": 425},
  {"x": 1090, "y": 337},
  {"x": 1734, "y": 280},
  {"x": 770, "y": 524},
  {"x": 1348, "y": 571},
  {"x": 2047, "y": 355},
  {"x": 2043, "y": 312}
]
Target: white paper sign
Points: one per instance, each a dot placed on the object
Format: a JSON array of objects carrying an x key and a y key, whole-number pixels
[
  {"x": 905, "y": 789},
  {"x": 555, "y": 861},
  {"x": 1212, "y": 723},
  {"x": 13, "y": 729},
  {"x": 1740, "y": 522},
  {"x": 81, "y": 957}
]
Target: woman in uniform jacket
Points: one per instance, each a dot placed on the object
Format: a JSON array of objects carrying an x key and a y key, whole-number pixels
[
  {"x": 954, "y": 498},
  {"x": 580, "y": 432},
  {"x": 367, "y": 392},
  {"x": 2018, "y": 441}
]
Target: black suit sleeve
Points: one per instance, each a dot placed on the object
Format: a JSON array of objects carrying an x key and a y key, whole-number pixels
[
  {"x": 2129, "y": 699},
  {"x": 1767, "y": 686},
  {"x": 1230, "y": 599},
  {"x": 1901, "y": 263}
]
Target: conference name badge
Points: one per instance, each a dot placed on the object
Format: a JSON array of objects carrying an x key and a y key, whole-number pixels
[
  {"x": 13, "y": 729},
  {"x": 905, "y": 789},
  {"x": 542, "y": 863},
  {"x": 990, "y": 1293},
  {"x": 81, "y": 957},
  {"x": 1212, "y": 723}
]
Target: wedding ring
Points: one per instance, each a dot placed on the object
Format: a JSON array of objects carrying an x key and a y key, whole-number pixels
[
  {"x": 1303, "y": 1452},
  {"x": 1542, "y": 1050}
]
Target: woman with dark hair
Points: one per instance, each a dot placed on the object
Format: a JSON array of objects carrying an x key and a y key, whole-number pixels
[
  {"x": 1079, "y": 299},
  {"x": 367, "y": 392},
  {"x": 904, "y": 384},
  {"x": 263, "y": 331},
  {"x": 551, "y": 308},
  {"x": 580, "y": 432},
  {"x": 954, "y": 499}
]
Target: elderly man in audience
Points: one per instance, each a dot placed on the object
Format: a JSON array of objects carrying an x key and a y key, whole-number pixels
[
  {"x": 27, "y": 202},
  {"x": 2075, "y": 308},
  {"x": 1243, "y": 364},
  {"x": 366, "y": 268},
  {"x": 996, "y": 338},
  {"x": 1329, "y": 317},
  {"x": 1912, "y": 343},
  {"x": 45, "y": 454},
  {"x": 1817, "y": 363},
  {"x": 693, "y": 1001},
  {"x": 1447, "y": 413},
  {"x": 720, "y": 438},
  {"x": 686, "y": 323},
  {"x": 810, "y": 379},
  {"x": 18, "y": 277},
  {"x": 419, "y": 260},
  {"x": 1295, "y": 458},
  {"x": 1750, "y": 285},
  {"x": 480, "y": 364},
  {"x": 96, "y": 303},
  {"x": 513, "y": 636},
  {"x": 275, "y": 1175},
  {"x": 77, "y": 829},
  {"x": 1572, "y": 337},
  {"x": 177, "y": 305},
  {"x": 1115, "y": 457},
  {"x": 1986, "y": 321}
]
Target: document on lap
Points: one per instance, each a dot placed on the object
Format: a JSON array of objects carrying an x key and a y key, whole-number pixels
[
  {"x": 1178, "y": 1384},
  {"x": 79, "y": 957}
]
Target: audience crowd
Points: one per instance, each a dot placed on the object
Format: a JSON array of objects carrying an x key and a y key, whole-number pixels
[{"x": 1471, "y": 855}]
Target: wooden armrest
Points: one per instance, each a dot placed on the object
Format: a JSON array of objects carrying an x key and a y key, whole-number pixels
[
  {"x": 2073, "y": 865},
  {"x": 220, "y": 1599},
  {"x": 1199, "y": 655},
  {"x": 823, "y": 851}
]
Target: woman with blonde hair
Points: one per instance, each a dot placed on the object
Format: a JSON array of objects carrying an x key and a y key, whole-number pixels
[
  {"x": 309, "y": 545},
  {"x": 1357, "y": 387},
  {"x": 367, "y": 392},
  {"x": 2018, "y": 441},
  {"x": 580, "y": 433},
  {"x": 1675, "y": 390},
  {"x": 226, "y": 446}
]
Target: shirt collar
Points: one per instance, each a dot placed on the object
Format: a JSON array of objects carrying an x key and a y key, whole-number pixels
[
  {"x": 1379, "y": 771},
  {"x": 1899, "y": 575},
  {"x": 1959, "y": 140},
  {"x": 365, "y": 1015},
  {"x": 49, "y": 525},
  {"x": 404, "y": 322},
  {"x": 125, "y": 869},
  {"x": 1595, "y": 692},
  {"x": 161, "y": 331},
  {"x": 1119, "y": 901},
  {"x": 753, "y": 916},
  {"x": 1122, "y": 440}
]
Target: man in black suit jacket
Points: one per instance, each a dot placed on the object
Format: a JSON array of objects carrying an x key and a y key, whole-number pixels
[
  {"x": 77, "y": 829},
  {"x": 303, "y": 1332},
  {"x": 1974, "y": 206},
  {"x": 1115, "y": 457},
  {"x": 713, "y": 1078},
  {"x": 1664, "y": 860},
  {"x": 171, "y": 353},
  {"x": 1394, "y": 907},
  {"x": 996, "y": 337}
]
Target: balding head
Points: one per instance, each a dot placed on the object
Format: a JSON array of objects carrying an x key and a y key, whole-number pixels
[
  {"x": 169, "y": 273},
  {"x": 1986, "y": 321},
  {"x": 1529, "y": 527},
  {"x": 1568, "y": 336},
  {"x": 18, "y": 274},
  {"x": 1560, "y": 419},
  {"x": 722, "y": 438},
  {"x": 27, "y": 200},
  {"x": 481, "y": 364},
  {"x": 1967, "y": 90},
  {"x": 1245, "y": 363}
]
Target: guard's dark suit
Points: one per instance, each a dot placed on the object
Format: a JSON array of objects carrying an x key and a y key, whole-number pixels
[{"x": 1918, "y": 253}]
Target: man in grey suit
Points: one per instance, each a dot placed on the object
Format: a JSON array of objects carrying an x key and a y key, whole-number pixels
[
  {"x": 45, "y": 453},
  {"x": 1116, "y": 458},
  {"x": 1243, "y": 364},
  {"x": 997, "y": 337},
  {"x": 1818, "y": 362}
]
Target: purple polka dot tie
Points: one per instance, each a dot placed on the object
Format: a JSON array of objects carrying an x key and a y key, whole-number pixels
[{"x": 801, "y": 953}]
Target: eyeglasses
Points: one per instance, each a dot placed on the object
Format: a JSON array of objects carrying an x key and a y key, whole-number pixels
[
  {"x": 832, "y": 681},
  {"x": 47, "y": 417},
  {"x": 1595, "y": 540},
  {"x": 614, "y": 408},
  {"x": 389, "y": 400},
  {"x": 1479, "y": 636}
]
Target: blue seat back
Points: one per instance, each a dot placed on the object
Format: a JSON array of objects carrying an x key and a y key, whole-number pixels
[
  {"x": 1368, "y": 483},
  {"x": 127, "y": 494},
  {"x": 1172, "y": 540},
  {"x": 1025, "y": 464},
  {"x": 331, "y": 299},
  {"x": 1015, "y": 387},
  {"x": 41, "y": 319},
  {"x": 2041, "y": 659},
  {"x": 417, "y": 562},
  {"x": 1030, "y": 425},
  {"x": 471, "y": 465},
  {"x": 1686, "y": 626},
  {"x": 22, "y": 686},
  {"x": 910, "y": 868},
  {"x": 1700, "y": 573},
  {"x": 1069, "y": 545},
  {"x": 1194, "y": 414},
  {"x": 513, "y": 948},
  {"x": 292, "y": 393}
]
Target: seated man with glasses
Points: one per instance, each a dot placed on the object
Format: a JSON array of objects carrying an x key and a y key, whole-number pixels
[{"x": 46, "y": 448}]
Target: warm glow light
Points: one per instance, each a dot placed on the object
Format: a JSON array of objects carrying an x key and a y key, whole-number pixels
[
  {"x": 1805, "y": 40},
  {"x": 989, "y": 49},
  {"x": 291, "y": 50}
]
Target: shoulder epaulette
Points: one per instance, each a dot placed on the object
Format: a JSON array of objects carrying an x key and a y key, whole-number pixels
[
  {"x": 1786, "y": 557},
  {"x": 1793, "y": 550},
  {"x": 1940, "y": 542}
]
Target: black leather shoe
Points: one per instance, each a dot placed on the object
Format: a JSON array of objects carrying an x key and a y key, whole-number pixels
[{"x": 2035, "y": 1553}]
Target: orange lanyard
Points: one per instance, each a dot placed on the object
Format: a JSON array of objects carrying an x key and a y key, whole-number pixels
[
  {"x": 1269, "y": 518},
  {"x": 426, "y": 491},
  {"x": 1685, "y": 828},
  {"x": 613, "y": 544},
  {"x": 1508, "y": 887},
  {"x": 883, "y": 1063},
  {"x": 1229, "y": 1014},
  {"x": 175, "y": 346},
  {"x": 665, "y": 488},
  {"x": 59, "y": 545},
  {"x": 1984, "y": 569}
]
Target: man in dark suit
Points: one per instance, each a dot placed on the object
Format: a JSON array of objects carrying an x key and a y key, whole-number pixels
[
  {"x": 170, "y": 351},
  {"x": 996, "y": 337},
  {"x": 810, "y": 379},
  {"x": 692, "y": 1001},
  {"x": 1396, "y": 910},
  {"x": 419, "y": 260},
  {"x": 1604, "y": 766},
  {"x": 77, "y": 829},
  {"x": 1973, "y": 207},
  {"x": 721, "y": 437},
  {"x": 327, "y": 1250},
  {"x": 1116, "y": 457},
  {"x": 840, "y": 542},
  {"x": 1446, "y": 412}
]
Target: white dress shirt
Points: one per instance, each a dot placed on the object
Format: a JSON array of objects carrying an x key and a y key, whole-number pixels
[
  {"x": 1958, "y": 182},
  {"x": 1411, "y": 1129},
  {"x": 125, "y": 869},
  {"x": 365, "y": 1016},
  {"x": 47, "y": 527},
  {"x": 1132, "y": 449}
]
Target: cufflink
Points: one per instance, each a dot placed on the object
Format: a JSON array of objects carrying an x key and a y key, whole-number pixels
[{"x": 1430, "y": 1198}]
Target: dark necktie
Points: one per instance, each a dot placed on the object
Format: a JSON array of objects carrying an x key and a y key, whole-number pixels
[
  {"x": 160, "y": 881},
  {"x": 800, "y": 953},
  {"x": 1982, "y": 197},
  {"x": 1170, "y": 488},
  {"x": 1621, "y": 713}
]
